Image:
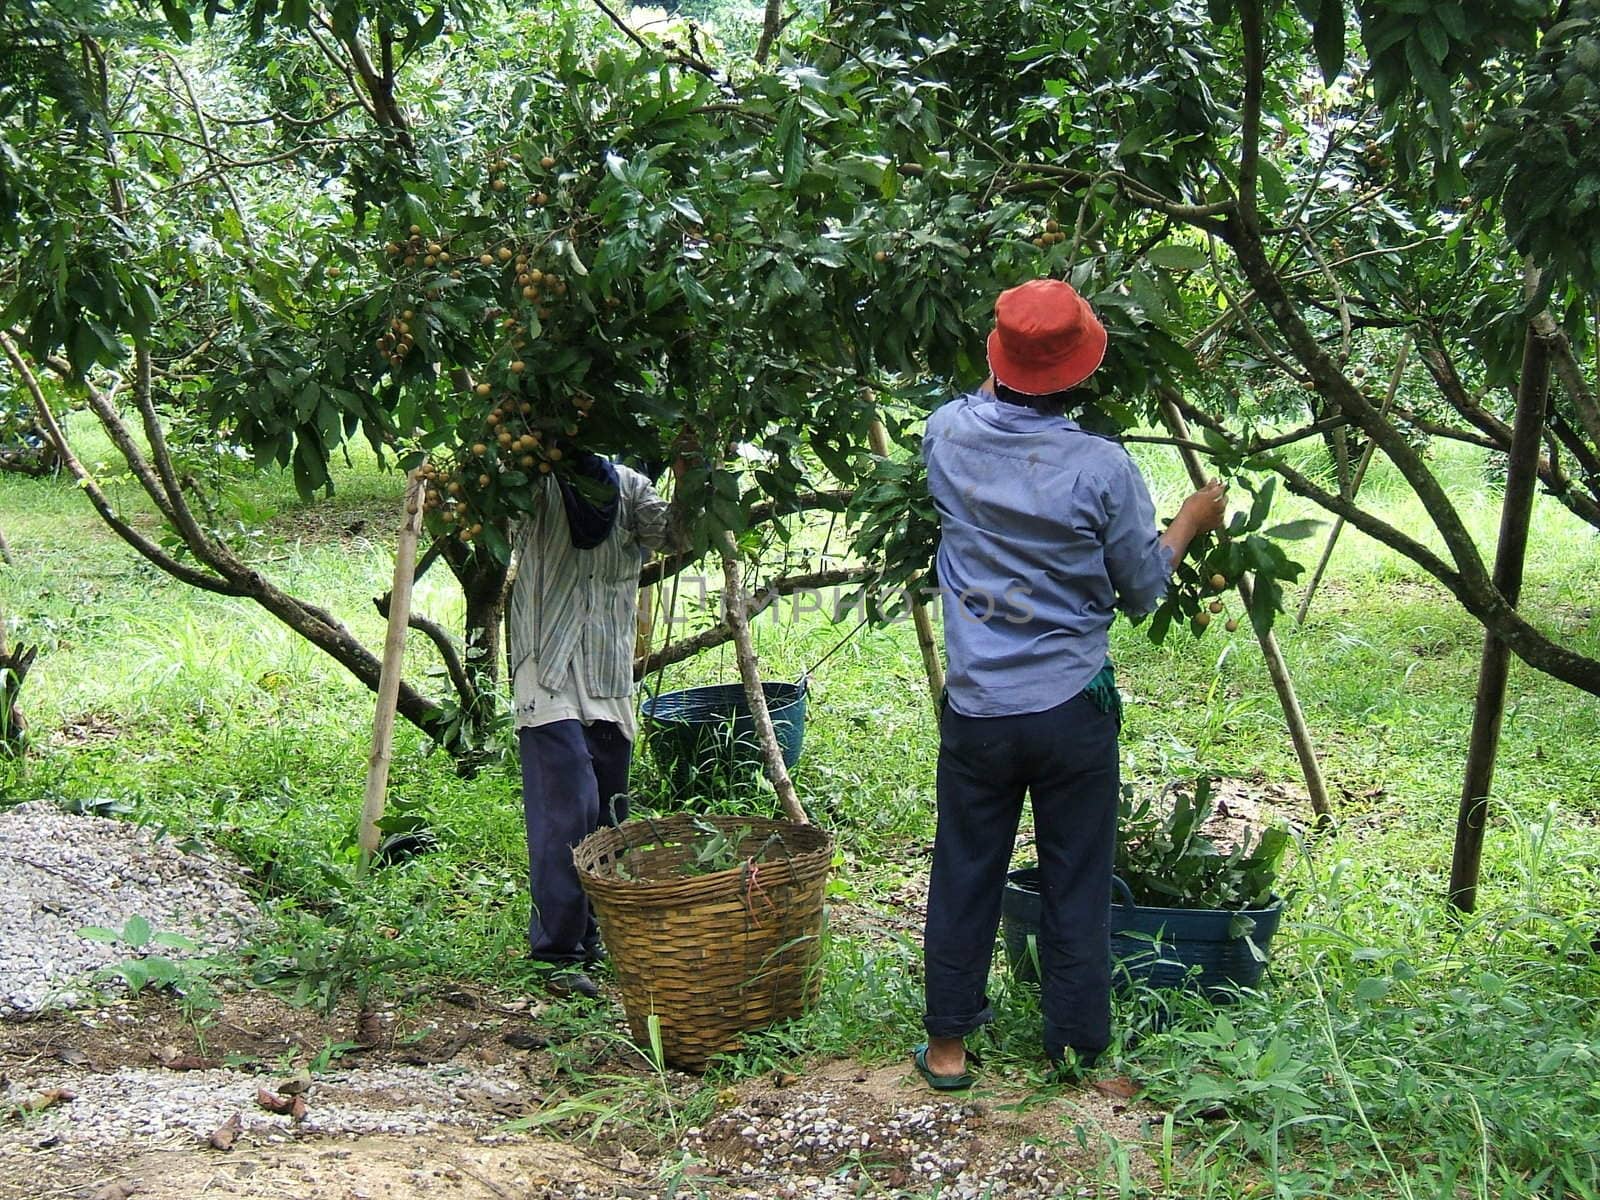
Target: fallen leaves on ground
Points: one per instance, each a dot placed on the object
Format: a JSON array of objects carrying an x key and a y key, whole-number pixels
[
  {"x": 37, "y": 1104},
  {"x": 224, "y": 1135},
  {"x": 273, "y": 1102},
  {"x": 1118, "y": 1087},
  {"x": 121, "y": 1189}
]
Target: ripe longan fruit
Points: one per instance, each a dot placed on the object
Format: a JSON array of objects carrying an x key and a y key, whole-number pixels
[
  {"x": 479, "y": 449},
  {"x": 1219, "y": 581},
  {"x": 1231, "y": 625},
  {"x": 1202, "y": 619},
  {"x": 547, "y": 162},
  {"x": 503, "y": 254}
]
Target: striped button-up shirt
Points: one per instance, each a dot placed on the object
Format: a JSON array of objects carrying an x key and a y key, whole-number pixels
[{"x": 577, "y": 609}]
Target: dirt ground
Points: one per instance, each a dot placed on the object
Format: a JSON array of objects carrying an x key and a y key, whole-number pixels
[{"x": 424, "y": 1113}]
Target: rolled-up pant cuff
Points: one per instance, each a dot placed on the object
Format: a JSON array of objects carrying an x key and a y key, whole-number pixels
[{"x": 957, "y": 1027}]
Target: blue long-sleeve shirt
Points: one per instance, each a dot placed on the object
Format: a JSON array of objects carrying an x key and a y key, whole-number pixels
[{"x": 1045, "y": 530}]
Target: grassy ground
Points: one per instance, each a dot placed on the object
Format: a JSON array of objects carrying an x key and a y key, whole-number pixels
[{"x": 1396, "y": 1051}]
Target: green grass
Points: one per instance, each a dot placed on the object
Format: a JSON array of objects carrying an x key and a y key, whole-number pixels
[{"x": 1397, "y": 1050}]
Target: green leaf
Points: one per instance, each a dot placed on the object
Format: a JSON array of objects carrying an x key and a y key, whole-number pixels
[
  {"x": 1428, "y": 76},
  {"x": 1328, "y": 36},
  {"x": 495, "y": 539},
  {"x": 136, "y": 932},
  {"x": 792, "y": 146},
  {"x": 1434, "y": 39},
  {"x": 175, "y": 941},
  {"x": 1293, "y": 530},
  {"x": 1373, "y": 988},
  {"x": 1177, "y": 256}
]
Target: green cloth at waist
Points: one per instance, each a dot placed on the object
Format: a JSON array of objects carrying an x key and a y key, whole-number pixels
[{"x": 1103, "y": 694}]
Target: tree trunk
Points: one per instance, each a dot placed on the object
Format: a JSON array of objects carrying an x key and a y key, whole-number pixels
[
  {"x": 5, "y": 549},
  {"x": 483, "y": 586},
  {"x": 1277, "y": 669},
  {"x": 1516, "y": 513},
  {"x": 14, "y": 666},
  {"x": 735, "y": 609}
]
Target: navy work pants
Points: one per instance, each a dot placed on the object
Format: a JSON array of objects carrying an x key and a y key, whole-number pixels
[
  {"x": 574, "y": 780},
  {"x": 1065, "y": 759}
]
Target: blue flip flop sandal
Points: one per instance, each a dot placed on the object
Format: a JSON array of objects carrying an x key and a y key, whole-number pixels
[{"x": 939, "y": 1083}]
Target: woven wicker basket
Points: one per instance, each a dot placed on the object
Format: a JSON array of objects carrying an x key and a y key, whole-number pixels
[{"x": 713, "y": 955}]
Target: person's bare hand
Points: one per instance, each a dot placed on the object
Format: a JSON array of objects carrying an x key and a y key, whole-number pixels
[{"x": 1207, "y": 508}]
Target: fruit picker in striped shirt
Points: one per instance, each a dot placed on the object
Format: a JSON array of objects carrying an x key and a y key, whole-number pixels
[{"x": 574, "y": 608}]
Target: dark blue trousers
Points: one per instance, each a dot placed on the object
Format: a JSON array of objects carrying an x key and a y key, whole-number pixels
[
  {"x": 1065, "y": 759},
  {"x": 574, "y": 780}
]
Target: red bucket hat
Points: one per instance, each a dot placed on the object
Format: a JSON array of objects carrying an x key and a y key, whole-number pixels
[{"x": 1046, "y": 338}]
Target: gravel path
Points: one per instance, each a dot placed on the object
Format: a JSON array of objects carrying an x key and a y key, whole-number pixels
[
  {"x": 60, "y": 873},
  {"x": 146, "y": 1108}
]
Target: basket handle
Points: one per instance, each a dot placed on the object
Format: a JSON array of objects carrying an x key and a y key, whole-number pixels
[
  {"x": 1121, "y": 893},
  {"x": 620, "y": 827}
]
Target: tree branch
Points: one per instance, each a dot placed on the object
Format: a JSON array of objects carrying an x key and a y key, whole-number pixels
[
  {"x": 771, "y": 22},
  {"x": 721, "y": 633},
  {"x": 1331, "y": 383},
  {"x": 444, "y": 643},
  {"x": 97, "y": 498},
  {"x": 1250, "y": 124}
]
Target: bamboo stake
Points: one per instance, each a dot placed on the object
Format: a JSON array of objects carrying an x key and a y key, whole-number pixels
[
  {"x": 1355, "y": 485},
  {"x": 736, "y": 614},
  {"x": 927, "y": 642},
  {"x": 1282, "y": 682},
  {"x": 394, "y": 644},
  {"x": 645, "y": 624}
]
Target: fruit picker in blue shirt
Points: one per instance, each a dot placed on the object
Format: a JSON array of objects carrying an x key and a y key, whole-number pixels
[{"x": 1046, "y": 530}]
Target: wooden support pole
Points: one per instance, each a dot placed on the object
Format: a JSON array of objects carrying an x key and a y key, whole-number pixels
[
  {"x": 14, "y": 665},
  {"x": 1516, "y": 514},
  {"x": 645, "y": 624},
  {"x": 1277, "y": 669},
  {"x": 394, "y": 644},
  {"x": 1355, "y": 486},
  {"x": 927, "y": 640},
  {"x": 736, "y": 612}
]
